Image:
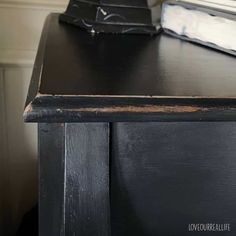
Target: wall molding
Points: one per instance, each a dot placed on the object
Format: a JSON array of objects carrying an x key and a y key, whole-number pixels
[
  {"x": 3, "y": 131},
  {"x": 2, "y": 120},
  {"x": 21, "y": 25},
  {"x": 37, "y": 4},
  {"x": 17, "y": 58},
  {"x": 20, "y": 51},
  {"x": 4, "y": 181}
]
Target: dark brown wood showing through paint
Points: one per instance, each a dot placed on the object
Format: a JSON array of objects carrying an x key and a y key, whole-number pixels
[
  {"x": 79, "y": 77},
  {"x": 165, "y": 176},
  {"x": 74, "y": 179}
]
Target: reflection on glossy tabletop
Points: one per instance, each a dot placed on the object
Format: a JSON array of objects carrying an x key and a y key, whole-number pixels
[{"x": 106, "y": 64}]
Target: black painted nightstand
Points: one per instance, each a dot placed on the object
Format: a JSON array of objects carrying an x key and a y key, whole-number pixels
[{"x": 137, "y": 134}]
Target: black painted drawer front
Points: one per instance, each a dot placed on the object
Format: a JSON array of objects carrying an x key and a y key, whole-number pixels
[
  {"x": 165, "y": 176},
  {"x": 74, "y": 179}
]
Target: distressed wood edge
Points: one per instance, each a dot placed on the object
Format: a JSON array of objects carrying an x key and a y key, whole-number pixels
[
  {"x": 106, "y": 108},
  {"x": 131, "y": 108},
  {"x": 129, "y": 114}
]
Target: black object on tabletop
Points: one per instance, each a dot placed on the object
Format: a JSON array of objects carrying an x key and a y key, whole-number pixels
[
  {"x": 114, "y": 16},
  {"x": 136, "y": 134}
]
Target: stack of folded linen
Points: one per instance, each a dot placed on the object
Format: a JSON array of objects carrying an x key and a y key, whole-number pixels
[{"x": 208, "y": 22}]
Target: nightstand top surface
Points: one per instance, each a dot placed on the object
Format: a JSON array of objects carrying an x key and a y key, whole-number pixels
[{"x": 74, "y": 67}]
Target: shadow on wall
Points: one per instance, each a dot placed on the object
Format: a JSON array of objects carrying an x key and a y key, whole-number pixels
[{"x": 20, "y": 157}]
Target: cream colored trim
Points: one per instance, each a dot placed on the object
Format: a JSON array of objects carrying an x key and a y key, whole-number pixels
[
  {"x": 40, "y": 5},
  {"x": 2, "y": 117},
  {"x": 17, "y": 58},
  {"x": 4, "y": 181}
]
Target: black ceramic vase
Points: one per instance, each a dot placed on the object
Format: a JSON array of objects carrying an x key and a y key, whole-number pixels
[{"x": 114, "y": 16}]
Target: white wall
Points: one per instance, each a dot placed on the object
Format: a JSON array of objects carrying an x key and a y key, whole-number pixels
[{"x": 21, "y": 23}]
